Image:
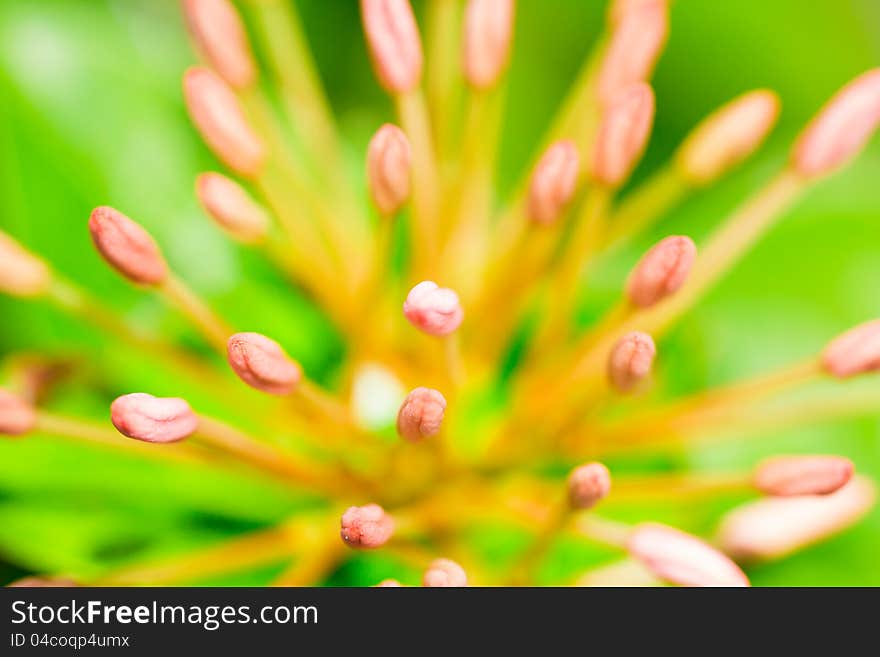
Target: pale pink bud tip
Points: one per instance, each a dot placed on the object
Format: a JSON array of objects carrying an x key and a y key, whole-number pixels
[
  {"x": 587, "y": 484},
  {"x": 728, "y": 136},
  {"x": 389, "y": 160},
  {"x": 488, "y": 25},
  {"x": 389, "y": 583},
  {"x": 631, "y": 360},
  {"x": 640, "y": 31},
  {"x": 421, "y": 414},
  {"x": 855, "y": 352},
  {"x": 433, "y": 309},
  {"x": 623, "y": 134},
  {"x": 221, "y": 39},
  {"x": 153, "y": 419},
  {"x": 661, "y": 271},
  {"x": 554, "y": 182},
  {"x": 366, "y": 526},
  {"x": 394, "y": 43},
  {"x": 443, "y": 572},
  {"x": 43, "y": 583},
  {"x": 218, "y": 116},
  {"x": 17, "y": 417},
  {"x": 262, "y": 364},
  {"x": 127, "y": 247},
  {"x": 232, "y": 208},
  {"x": 842, "y": 128},
  {"x": 682, "y": 559},
  {"x": 785, "y": 476},
  {"x": 21, "y": 273},
  {"x": 774, "y": 527}
]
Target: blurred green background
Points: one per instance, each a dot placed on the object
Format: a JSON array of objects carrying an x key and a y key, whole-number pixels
[{"x": 91, "y": 113}]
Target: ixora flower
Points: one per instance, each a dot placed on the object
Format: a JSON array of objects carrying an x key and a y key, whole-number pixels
[{"x": 456, "y": 459}]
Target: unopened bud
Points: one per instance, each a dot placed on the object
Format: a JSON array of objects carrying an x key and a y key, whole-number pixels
[
  {"x": 785, "y": 476},
  {"x": 855, "y": 352},
  {"x": 554, "y": 182},
  {"x": 262, "y": 364},
  {"x": 218, "y": 116},
  {"x": 841, "y": 129},
  {"x": 727, "y": 136},
  {"x": 389, "y": 160},
  {"x": 631, "y": 360},
  {"x": 662, "y": 271},
  {"x": 433, "y": 309},
  {"x": 623, "y": 134},
  {"x": 587, "y": 484},
  {"x": 222, "y": 40},
  {"x": 366, "y": 526},
  {"x": 444, "y": 572},
  {"x": 421, "y": 414},
  {"x": 488, "y": 25},
  {"x": 394, "y": 43},
  {"x": 229, "y": 204},
  {"x": 127, "y": 247},
  {"x": 153, "y": 419}
]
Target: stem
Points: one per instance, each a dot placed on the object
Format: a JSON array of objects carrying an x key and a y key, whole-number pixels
[
  {"x": 214, "y": 329},
  {"x": 665, "y": 189},
  {"x": 425, "y": 234},
  {"x": 454, "y": 361},
  {"x": 609, "y": 532},
  {"x": 524, "y": 569},
  {"x": 443, "y": 75}
]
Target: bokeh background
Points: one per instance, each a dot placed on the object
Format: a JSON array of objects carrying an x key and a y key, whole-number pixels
[{"x": 91, "y": 113}]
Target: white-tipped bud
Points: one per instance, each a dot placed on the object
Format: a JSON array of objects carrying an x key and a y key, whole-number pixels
[
  {"x": 488, "y": 25},
  {"x": 394, "y": 43}
]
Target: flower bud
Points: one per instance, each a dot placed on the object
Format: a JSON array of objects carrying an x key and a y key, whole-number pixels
[
  {"x": 785, "y": 476},
  {"x": 683, "y": 559},
  {"x": 394, "y": 43},
  {"x": 366, "y": 526},
  {"x": 623, "y": 134},
  {"x": 227, "y": 203},
  {"x": 153, "y": 419},
  {"x": 841, "y": 129},
  {"x": 22, "y": 274},
  {"x": 855, "y": 352},
  {"x": 640, "y": 31},
  {"x": 662, "y": 271},
  {"x": 262, "y": 364},
  {"x": 443, "y": 572},
  {"x": 587, "y": 484},
  {"x": 421, "y": 414},
  {"x": 222, "y": 40},
  {"x": 218, "y": 116},
  {"x": 631, "y": 360},
  {"x": 727, "y": 136},
  {"x": 433, "y": 309},
  {"x": 127, "y": 247},
  {"x": 389, "y": 160},
  {"x": 554, "y": 182},
  {"x": 488, "y": 25},
  {"x": 17, "y": 417},
  {"x": 774, "y": 527}
]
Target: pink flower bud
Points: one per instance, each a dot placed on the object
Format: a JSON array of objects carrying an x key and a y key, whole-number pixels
[
  {"x": 488, "y": 25},
  {"x": 127, "y": 247},
  {"x": 366, "y": 526},
  {"x": 554, "y": 182},
  {"x": 727, "y": 136},
  {"x": 222, "y": 40},
  {"x": 640, "y": 32},
  {"x": 682, "y": 559},
  {"x": 785, "y": 476},
  {"x": 389, "y": 160},
  {"x": 623, "y": 134},
  {"x": 443, "y": 572},
  {"x": 587, "y": 484},
  {"x": 421, "y": 414},
  {"x": 433, "y": 309},
  {"x": 227, "y": 203},
  {"x": 774, "y": 527},
  {"x": 153, "y": 419},
  {"x": 394, "y": 43},
  {"x": 17, "y": 417},
  {"x": 841, "y": 129},
  {"x": 630, "y": 360},
  {"x": 262, "y": 364},
  {"x": 389, "y": 583},
  {"x": 21, "y": 273},
  {"x": 661, "y": 271},
  {"x": 855, "y": 352},
  {"x": 218, "y": 116}
]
